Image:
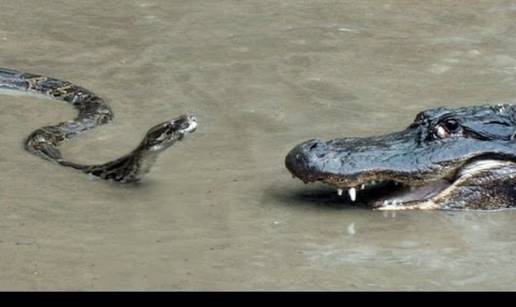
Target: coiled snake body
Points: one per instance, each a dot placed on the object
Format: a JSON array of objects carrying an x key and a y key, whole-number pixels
[{"x": 93, "y": 111}]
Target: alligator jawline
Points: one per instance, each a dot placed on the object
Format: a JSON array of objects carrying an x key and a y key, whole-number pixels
[
  {"x": 391, "y": 194},
  {"x": 396, "y": 195}
]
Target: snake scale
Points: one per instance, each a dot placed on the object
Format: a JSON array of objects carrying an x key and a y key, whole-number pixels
[{"x": 93, "y": 111}]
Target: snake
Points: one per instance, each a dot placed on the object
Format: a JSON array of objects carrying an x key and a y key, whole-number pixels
[{"x": 93, "y": 111}]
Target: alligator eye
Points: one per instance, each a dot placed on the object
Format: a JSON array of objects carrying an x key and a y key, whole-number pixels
[
  {"x": 451, "y": 125},
  {"x": 446, "y": 128},
  {"x": 441, "y": 132}
]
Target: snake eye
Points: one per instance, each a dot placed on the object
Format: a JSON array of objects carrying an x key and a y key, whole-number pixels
[{"x": 446, "y": 128}]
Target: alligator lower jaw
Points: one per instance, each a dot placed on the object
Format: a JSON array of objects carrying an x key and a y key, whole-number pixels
[
  {"x": 395, "y": 195},
  {"x": 414, "y": 197},
  {"x": 401, "y": 194}
]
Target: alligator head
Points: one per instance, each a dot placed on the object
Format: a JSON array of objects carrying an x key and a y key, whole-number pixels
[{"x": 461, "y": 158}]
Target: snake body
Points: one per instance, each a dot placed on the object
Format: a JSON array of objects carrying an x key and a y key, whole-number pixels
[{"x": 92, "y": 112}]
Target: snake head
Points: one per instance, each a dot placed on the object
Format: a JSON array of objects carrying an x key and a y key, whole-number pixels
[{"x": 163, "y": 135}]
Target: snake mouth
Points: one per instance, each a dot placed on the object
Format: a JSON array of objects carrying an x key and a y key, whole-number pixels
[
  {"x": 190, "y": 123},
  {"x": 187, "y": 123}
]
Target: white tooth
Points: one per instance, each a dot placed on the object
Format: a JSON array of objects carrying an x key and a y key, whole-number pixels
[
  {"x": 362, "y": 187},
  {"x": 339, "y": 191},
  {"x": 373, "y": 182},
  {"x": 412, "y": 188},
  {"x": 385, "y": 202},
  {"x": 396, "y": 183},
  {"x": 352, "y": 194}
]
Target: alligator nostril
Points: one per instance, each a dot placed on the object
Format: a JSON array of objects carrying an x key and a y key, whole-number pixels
[
  {"x": 315, "y": 145},
  {"x": 321, "y": 155},
  {"x": 316, "y": 148}
]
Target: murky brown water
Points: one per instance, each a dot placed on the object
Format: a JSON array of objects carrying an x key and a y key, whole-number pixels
[{"x": 220, "y": 211}]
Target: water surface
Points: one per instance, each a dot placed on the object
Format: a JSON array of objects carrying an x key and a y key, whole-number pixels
[{"x": 219, "y": 211}]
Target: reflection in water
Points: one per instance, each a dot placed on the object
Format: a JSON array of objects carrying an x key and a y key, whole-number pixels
[{"x": 220, "y": 211}]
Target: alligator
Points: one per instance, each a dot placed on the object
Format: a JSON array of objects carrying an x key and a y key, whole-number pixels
[{"x": 448, "y": 158}]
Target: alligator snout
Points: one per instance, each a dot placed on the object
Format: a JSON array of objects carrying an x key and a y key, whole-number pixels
[{"x": 300, "y": 160}]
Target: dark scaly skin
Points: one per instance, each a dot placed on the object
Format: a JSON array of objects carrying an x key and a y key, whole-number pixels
[
  {"x": 93, "y": 111},
  {"x": 463, "y": 158}
]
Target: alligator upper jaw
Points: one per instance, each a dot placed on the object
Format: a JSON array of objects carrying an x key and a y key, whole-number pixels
[
  {"x": 385, "y": 193},
  {"x": 388, "y": 175},
  {"x": 373, "y": 170},
  {"x": 389, "y": 190}
]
